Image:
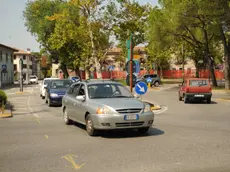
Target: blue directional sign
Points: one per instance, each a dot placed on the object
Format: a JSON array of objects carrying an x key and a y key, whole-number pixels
[
  {"x": 141, "y": 88},
  {"x": 149, "y": 80},
  {"x": 111, "y": 68}
]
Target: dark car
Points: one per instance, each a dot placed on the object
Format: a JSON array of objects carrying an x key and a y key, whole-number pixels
[
  {"x": 155, "y": 79},
  {"x": 55, "y": 90}
]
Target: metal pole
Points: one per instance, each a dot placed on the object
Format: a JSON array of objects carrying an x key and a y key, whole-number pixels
[
  {"x": 21, "y": 77},
  {"x": 131, "y": 65}
]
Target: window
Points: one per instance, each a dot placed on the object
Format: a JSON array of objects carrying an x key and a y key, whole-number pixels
[
  {"x": 198, "y": 83},
  {"x": 24, "y": 66},
  {"x": 24, "y": 57},
  {"x": 15, "y": 67},
  {"x": 97, "y": 91},
  {"x": 153, "y": 76},
  {"x": 81, "y": 90},
  {"x": 6, "y": 57},
  {"x": 73, "y": 90},
  {"x": 30, "y": 66},
  {"x": 0, "y": 56},
  {"x": 14, "y": 57}
]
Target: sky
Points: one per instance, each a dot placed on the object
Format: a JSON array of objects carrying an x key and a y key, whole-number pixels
[{"x": 12, "y": 30}]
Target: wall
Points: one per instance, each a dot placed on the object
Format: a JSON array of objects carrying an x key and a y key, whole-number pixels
[{"x": 6, "y": 78}]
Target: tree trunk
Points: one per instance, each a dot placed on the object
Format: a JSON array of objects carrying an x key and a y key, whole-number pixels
[
  {"x": 65, "y": 71},
  {"x": 77, "y": 71},
  {"x": 208, "y": 58},
  {"x": 226, "y": 59},
  {"x": 94, "y": 53}
]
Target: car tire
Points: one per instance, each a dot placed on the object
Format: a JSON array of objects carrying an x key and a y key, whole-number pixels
[
  {"x": 180, "y": 98},
  {"x": 143, "y": 130},
  {"x": 66, "y": 117},
  {"x": 209, "y": 100},
  {"x": 89, "y": 126},
  {"x": 185, "y": 99},
  {"x": 49, "y": 102},
  {"x": 156, "y": 84}
]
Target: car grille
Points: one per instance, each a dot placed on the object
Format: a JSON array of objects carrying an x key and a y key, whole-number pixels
[
  {"x": 129, "y": 124},
  {"x": 125, "y": 111}
]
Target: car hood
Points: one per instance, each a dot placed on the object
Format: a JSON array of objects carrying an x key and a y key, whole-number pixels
[
  {"x": 58, "y": 91},
  {"x": 120, "y": 103}
]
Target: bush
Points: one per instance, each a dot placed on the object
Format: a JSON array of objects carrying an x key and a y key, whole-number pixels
[{"x": 3, "y": 97}]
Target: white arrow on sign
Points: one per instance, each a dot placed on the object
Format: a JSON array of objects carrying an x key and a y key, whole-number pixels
[{"x": 142, "y": 89}]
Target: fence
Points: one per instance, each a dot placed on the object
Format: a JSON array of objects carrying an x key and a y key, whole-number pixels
[{"x": 166, "y": 74}]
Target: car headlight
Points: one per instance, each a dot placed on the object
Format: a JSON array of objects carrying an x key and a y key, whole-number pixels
[
  {"x": 53, "y": 95},
  {"x": 105, "y": 110},
  {"x": 147, "y": 108}
]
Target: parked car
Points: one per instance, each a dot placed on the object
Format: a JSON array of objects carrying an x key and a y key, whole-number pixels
[
  {"x": 55, "y": 90},
  {"x": 43, "y": 85},
  {"x": 105, "y": 105},
  {"x": 156, "y": 81},
  {"x": 33, "y": 79},
  {"x": 195, "y": 89},
  {"x": 75, "y": 78}
]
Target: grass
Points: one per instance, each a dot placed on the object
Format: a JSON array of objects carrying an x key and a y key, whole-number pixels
[{"x": 122, "y": 81}]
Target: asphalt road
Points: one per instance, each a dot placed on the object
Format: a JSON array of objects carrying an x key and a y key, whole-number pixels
[{"x": 185, "y": 137}]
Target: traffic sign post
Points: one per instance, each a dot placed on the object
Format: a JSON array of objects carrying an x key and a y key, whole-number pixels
[{"x": 21, "y": 77}]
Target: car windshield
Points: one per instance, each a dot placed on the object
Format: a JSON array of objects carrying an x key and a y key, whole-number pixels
[
  {"x": 32, "y": 77},
  {"x": 97, "y": 91},
  {"x": 198, "y": 83},
  {"x": 59, "y": 84}
]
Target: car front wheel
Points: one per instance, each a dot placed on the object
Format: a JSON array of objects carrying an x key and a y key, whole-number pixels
[
  {"x": 89, "y": 126},
  {"x": 143, "y": 130},
  {"x": 156, "y": 84},
  {"x": 66, "y": 117}
]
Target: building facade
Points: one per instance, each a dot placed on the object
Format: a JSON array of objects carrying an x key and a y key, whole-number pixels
[
  {"x": 27, "y": 64},
  {"x": 6, "y": 65}
]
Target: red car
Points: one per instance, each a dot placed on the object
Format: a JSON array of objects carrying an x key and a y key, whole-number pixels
[{"x": 195, "y": 89}]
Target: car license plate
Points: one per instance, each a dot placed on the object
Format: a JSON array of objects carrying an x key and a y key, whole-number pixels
[
  {"x": 131, "y": 117},
  {"x": 199, "y": 95}
]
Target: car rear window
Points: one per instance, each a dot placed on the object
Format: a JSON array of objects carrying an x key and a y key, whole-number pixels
[{"x": 198, "y": 83}]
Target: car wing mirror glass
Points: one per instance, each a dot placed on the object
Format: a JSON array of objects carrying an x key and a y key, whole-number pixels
[
  {"x": 137, "y": 96},
  {"x": 81, "y": 98}
]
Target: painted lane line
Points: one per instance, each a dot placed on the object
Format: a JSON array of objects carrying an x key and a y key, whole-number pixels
[{"x": 70, "y": 158}]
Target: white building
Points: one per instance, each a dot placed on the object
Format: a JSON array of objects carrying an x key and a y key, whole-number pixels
[
  {"x": 6, "y": 65},
  {"x": 27, "y": 64}
]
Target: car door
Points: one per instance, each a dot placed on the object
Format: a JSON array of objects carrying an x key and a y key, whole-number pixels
[
  {"x": 79, "y": 106},
  {"x": 71, "y": 101}
]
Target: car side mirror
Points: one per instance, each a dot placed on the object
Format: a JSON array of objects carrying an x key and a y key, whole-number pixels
[
  {"x": 137, "y": 96},
  {"x": 81, "y": 98}
]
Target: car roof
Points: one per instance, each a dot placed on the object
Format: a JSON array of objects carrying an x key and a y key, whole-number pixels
[
  {"x": 50, "y": 78},
  {"x": 99, "y": 81}
]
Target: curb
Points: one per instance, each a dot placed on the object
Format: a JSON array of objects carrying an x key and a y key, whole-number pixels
[{"x": 7, "y": 112}]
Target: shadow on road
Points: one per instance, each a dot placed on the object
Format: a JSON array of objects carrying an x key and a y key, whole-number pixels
[
  {"x": 201, "y": 102},
  {"x": 121, "y": 134},
  {"x": 129, "y": 133}
]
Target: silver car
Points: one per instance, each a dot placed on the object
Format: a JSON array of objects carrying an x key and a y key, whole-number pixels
[{"x": 105, "y": 105}]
